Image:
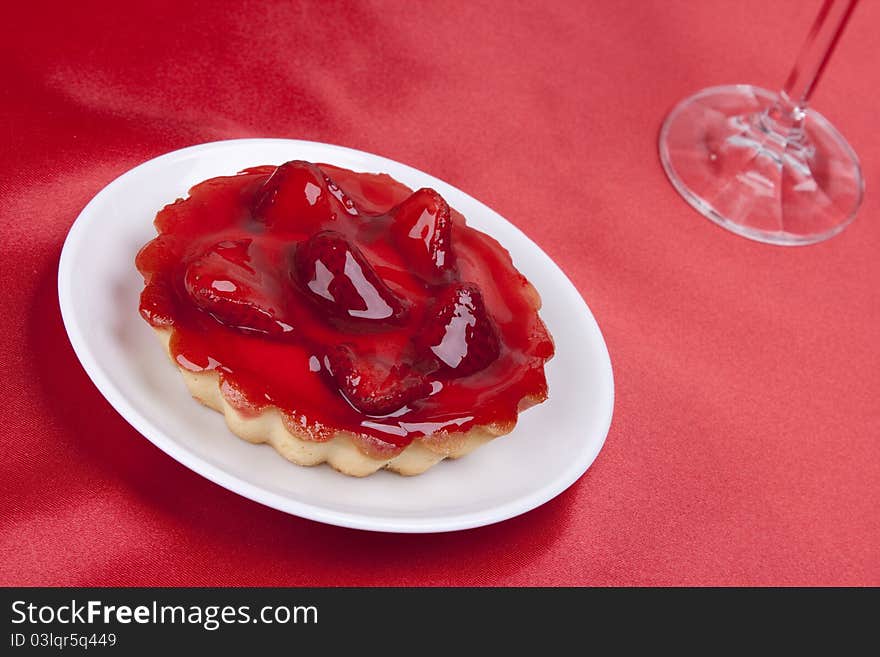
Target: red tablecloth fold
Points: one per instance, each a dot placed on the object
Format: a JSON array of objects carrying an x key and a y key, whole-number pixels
[{"x": 744, "y": 447}]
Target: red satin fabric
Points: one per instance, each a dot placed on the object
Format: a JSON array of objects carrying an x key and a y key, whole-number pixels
[{"x": 745, "y": 446}]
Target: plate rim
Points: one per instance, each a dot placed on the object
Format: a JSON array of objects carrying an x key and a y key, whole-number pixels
[{"x": 134, "y": 417}]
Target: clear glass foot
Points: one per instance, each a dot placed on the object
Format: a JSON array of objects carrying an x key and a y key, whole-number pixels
[{"x": 758, "y": 165}]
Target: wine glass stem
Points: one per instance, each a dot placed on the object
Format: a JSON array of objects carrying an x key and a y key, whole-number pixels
[
  {"x": 817, "y": 50},
  {"x": 785, "y": 118}
]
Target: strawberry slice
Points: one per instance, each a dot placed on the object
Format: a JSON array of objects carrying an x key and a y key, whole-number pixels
[
  {"x": 422, "y": 230},
  {"x": 156, "y": 303},
  {"x": 337, "y": 278},
  {"x": 225, "y": 282},
  {"x": 372, "y": 385},
  {"x": 460, "y": 333},
  {"x": 299, "y": 197}
]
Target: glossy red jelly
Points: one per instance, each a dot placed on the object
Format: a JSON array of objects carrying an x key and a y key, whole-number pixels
[{"x": 348, "y": 302}]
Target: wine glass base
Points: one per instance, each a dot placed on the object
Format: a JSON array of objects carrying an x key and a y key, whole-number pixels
[{"x": 735, "y": 168}]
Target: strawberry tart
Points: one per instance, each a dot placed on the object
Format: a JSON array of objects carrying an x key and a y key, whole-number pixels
[{"x": 343, "y": 318}]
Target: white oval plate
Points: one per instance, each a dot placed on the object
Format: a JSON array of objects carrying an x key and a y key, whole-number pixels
[{"x": 99, "y": 287}]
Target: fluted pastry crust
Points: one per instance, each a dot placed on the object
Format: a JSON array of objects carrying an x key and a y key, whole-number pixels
[{"x": 349, "y": 453}]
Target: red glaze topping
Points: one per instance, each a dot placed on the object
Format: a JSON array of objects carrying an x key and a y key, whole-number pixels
[{"x": 348, "y": 302}]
